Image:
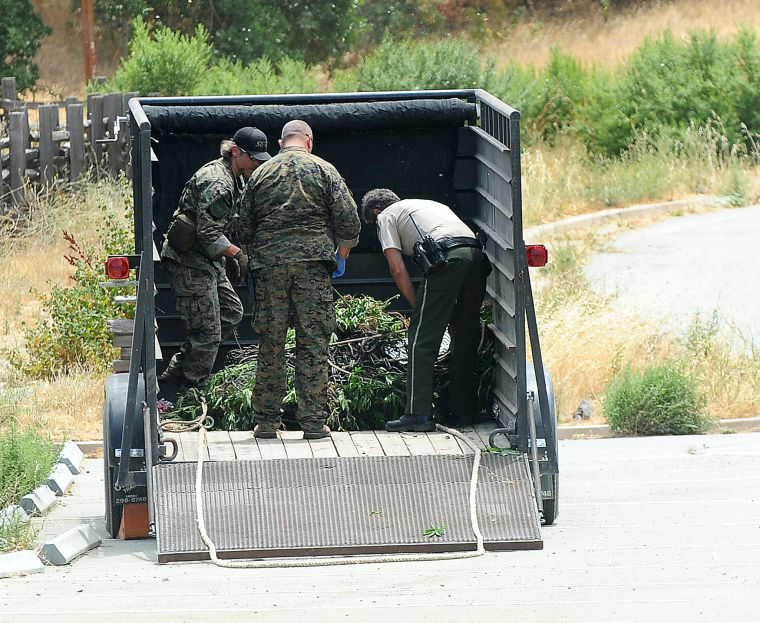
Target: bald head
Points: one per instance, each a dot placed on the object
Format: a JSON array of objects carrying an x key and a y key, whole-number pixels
[{"x": 296, "y": 132}]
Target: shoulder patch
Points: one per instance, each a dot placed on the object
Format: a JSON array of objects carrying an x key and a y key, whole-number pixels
[{"x": 219, "y": 208}]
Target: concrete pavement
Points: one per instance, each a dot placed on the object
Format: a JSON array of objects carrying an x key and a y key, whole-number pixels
[{"x": 650, "y": 529}]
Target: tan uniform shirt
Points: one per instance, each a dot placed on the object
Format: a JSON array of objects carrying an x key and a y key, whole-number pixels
[{"x": 397, "y": 231}]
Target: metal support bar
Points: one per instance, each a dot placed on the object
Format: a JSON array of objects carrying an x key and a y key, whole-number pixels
[
  {"x": 534, "y": 453},
  {"x": 538, "y": 366}
]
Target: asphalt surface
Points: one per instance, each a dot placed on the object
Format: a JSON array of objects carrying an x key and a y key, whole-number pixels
[
  {"x": 688, "y": 265},
  {"x": 649, "y": 529}
]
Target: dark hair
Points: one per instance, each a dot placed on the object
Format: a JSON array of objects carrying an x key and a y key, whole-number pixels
[{"x": 377, "y": 199}]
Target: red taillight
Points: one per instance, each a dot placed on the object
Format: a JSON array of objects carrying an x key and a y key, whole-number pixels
[
  {"x": 117, "y": 268},
  {"x": 537, "y": 255}
]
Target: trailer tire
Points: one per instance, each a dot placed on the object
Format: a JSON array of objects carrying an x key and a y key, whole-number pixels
[
  {"x": 549, "y": 482},
  {"x": 114, "y": 410},
  {"x": 113, "y": 511}
]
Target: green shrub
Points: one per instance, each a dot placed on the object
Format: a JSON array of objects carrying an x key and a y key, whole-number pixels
[
  {"x": 414, "y": 66},
  {"x": 74, "y": 332},
  {"x": 562, "y": 90},
  {"x": 259, "y": 77},
  {"x": 163, "y": 61},
  {"x": 667, "y": 85},
  {"x": 662, "y": 399}
]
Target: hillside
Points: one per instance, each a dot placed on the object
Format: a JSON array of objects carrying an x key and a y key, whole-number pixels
[{"x": 579, "y": 29}]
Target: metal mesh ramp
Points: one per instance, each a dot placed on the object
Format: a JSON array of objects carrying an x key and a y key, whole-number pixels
[{"x": 343, "y": 506}]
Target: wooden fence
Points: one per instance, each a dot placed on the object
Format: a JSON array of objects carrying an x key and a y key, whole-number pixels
[{"x": 48, "y": 145}]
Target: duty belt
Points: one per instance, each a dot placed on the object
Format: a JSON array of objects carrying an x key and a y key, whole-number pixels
[{"x": 462, "y": 241}]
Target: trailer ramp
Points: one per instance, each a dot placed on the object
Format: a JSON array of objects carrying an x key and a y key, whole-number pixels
[{"x": 340, "y": 506}]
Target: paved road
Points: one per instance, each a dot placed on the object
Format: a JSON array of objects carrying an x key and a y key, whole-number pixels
[
  {"x": 684, "y": 265},
  {"x": 650, "y": 529}
]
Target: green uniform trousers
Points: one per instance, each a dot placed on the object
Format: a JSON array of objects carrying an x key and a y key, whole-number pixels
[
  {"x": 301, "y": 291},
  {"x": 451, "y": 296},
  {"x": 210, "y": 310}
]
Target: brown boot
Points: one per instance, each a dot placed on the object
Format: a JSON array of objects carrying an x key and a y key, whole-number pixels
[
  {"x": 264, "y": 433},
  {"x": 317, "y": 434}
]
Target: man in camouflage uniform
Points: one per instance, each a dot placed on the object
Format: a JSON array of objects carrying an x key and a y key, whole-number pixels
[
  {"x": 194, "y": 255},
  {"x": 288, "y": 209}
]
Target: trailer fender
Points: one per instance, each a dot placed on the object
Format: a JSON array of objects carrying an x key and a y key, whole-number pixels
[{"x": 114, "y": 412}]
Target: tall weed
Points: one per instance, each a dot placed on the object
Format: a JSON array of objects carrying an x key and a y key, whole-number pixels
[{"x": 26, "y": 458}]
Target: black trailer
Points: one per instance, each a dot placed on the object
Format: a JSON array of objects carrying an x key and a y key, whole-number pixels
[{"x": 459, "y": 147}]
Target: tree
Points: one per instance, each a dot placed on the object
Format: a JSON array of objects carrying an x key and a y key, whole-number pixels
[
  {"x": 21, "y": 33},
  {"x": 312, "y": 30}
]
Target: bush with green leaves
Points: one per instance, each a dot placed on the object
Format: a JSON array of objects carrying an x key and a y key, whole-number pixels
[
  {"x": 74, "y": 331},
  {"x": 417, "y": 65},
  {"x": 258, "y": 77},
  {"x": 26, "y": 460},
  {"x": 668, "y": 85},
  {"x": 660, "y": 399},
  {"x": 21, "y": 34},
  {"x": 163, "y": 61}
]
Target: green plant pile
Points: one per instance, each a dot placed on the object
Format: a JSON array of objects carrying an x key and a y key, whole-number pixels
[
  {"x": 660, "y": 399},
  {"x": 26, "y": 459},
  {"x": 365, "y": 379},
  {"x": 74, "y": 332},
  {"x": 367, "y": 376}
]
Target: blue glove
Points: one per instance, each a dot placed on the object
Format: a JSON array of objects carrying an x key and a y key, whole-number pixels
[{"x": 338, "y": 272}]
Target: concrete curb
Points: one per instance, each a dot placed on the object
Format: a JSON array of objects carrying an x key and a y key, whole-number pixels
[
  {"x": 601, "y": 431},
  {"x": 65, "y": 547},
  {"x": 69, "y": 545},
  {"x": 20, "y": 563}
]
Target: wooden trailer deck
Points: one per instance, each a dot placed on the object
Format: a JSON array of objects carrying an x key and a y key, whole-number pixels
[{"x": 242, "y": 445}]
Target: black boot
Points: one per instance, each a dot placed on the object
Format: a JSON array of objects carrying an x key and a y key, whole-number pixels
[{"x": 411, "y": 424}]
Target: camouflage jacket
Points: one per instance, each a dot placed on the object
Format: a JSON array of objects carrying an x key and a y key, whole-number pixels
[
  {"x": 211, "y": 197},
  {"x": 292, "y": 206}
]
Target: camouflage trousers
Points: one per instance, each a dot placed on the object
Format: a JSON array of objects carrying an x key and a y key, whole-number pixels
[
  {"x": 301, "y": 291},
  {"x": 210, "y": 310}
]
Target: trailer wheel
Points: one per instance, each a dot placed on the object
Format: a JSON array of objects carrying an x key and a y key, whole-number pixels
[
  {"x": 549, "y": 482},
  {"x": 112, "y": 510},
  {"x": 114, "y": 410}
]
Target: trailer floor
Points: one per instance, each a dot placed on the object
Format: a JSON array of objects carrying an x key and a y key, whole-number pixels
[{"x": 377, "y": 497}]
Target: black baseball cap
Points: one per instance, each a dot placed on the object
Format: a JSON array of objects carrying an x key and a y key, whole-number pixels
[{"x": 253, "y": 142}]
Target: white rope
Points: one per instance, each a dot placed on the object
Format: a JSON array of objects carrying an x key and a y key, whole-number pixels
[
  {"x": 323, "y": 562},
  {"x": 203, "y": 421}
]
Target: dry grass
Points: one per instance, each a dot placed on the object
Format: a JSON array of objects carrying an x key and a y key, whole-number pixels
[
  {"x": 559, "y": 181},
  {"x": 67, "y": 407},
  {"x": 585, "y": 34},
  {"x": 587, "y": 339}
]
